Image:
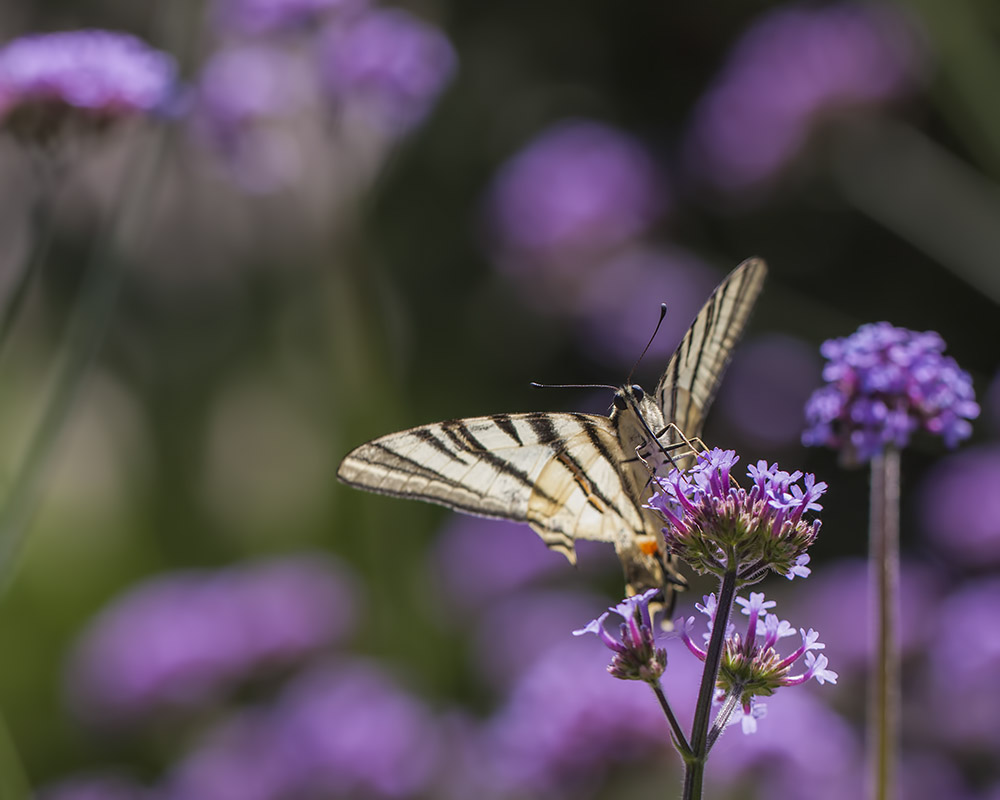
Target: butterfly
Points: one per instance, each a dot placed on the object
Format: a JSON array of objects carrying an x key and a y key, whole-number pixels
[{"x": 574, "y": 476}]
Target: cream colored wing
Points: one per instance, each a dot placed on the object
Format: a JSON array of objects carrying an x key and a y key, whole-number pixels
[
  {"x": 688, "y": 385},
  {"x": 558, "y": 472}
]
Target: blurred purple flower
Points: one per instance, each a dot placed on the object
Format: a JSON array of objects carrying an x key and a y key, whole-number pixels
[
  {"x": 477, "y": 560},
  {"x": 517, "y": 630},
  {"x": 579, "y": 188},
  {"x": 789, "y": 68},
  {"x": 959, "y": 507},
  {"x": 806, "y": 751},
  {"x": 180, "y": 640},
  {"x": 617, "y": 305},
  {"x": 243, "y": 96},
  {"x": 838, "y": 602},
  {"x": 268, "y": 16},
  {"x": 387, "y": 65},
  {"x": 87, "y": 76},
  {"x": 94, "y": 787},
  {"x": 564, "y": 725},
  {"x": 337, "y": 731},
  {"x": 884, "y": 383},
  {"x": 767, "y": 385},
  {"x": 962, "y": 696}
]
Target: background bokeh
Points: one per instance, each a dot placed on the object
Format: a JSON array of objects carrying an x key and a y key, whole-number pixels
[{"x": 368, "y": 217}]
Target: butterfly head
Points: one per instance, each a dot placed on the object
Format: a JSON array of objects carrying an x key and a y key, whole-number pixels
[{"x": 629, "y": 397}]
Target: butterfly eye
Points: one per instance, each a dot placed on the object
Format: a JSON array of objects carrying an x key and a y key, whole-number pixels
[
  {"x": 619, "y": 402},
  {"x": 637, "y": 390}
]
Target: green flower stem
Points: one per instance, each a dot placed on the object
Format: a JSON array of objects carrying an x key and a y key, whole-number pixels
[
  {"x": 680, "y": 740},
  {"x": 84, "y": 335},
  {"x": 884, "y": 688},
  {"x": 695, "y": 764}
]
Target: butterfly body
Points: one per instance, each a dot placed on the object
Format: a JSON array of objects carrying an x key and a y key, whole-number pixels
[{"x": 572, "y": 475}]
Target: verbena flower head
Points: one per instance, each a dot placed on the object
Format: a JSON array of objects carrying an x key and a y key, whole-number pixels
[
  {"x": 883, "y": 384},
  {"x": 338, "y": 730},
  {"x": 181, "y": 640},
  {"x": 636, "y": 657},
  {"x": 794, "y": 67},
  {"x": 751, "y": 666},
  {"x": 581, "y": 187},
  {"x": 717, "y": 526},
  {"x": 562, "y": 726},
  {"x": 91, "y": 77},
  {"x": 388, "y": 66},
  {"x": 246, "y": 101}
]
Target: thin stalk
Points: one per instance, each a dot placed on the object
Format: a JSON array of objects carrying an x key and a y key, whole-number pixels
[
  {"x": 884, "y": 686},
  {"x": 680, "y": 740},
  {"x": 85, "y": 332},
  {"x": 694, "y": 774}
]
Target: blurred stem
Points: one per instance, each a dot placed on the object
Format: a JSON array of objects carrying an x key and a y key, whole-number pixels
[
  {"x": 85, "y": 332},
  {"x": 884, "y": 689},
  {"x": 40, "y": 219},
  {"x": 694, "y": 774},
  {"x": 13, "y": 781}
]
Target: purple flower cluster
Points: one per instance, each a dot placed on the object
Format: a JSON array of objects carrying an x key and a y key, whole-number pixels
[
  {"x": 386, "y": 65},
  {"x": 636, "y": 656},
  {"x": 244, "y": 93},
  {"x": 564, "y": 724},
  {"x": 339, "y": 730},
  {"x": 260, "y": 101},
  {"x": 716, "y": 526},
  {"x": 960, "y": 506},
  {"x": 962, "y": 696},
  {"x": 884, "y": 383},
  {"x": 88, "y": 76},
  {"x": 790, "y": 68},
  {"x": 580, "y": 187},
  {"x": 180, "y": 640},
  {"x": 751, "y": 667}
]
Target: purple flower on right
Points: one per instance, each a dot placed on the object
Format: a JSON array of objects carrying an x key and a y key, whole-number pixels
[{"x": 883, "y": 384}]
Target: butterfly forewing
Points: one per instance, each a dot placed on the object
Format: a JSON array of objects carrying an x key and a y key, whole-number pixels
[
  {"x": 573, "y": 476},
  {"x": 692, "y": 377}
]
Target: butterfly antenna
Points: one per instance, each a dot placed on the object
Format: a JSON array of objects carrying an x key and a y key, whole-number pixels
[
  {"x": 663, "y": 313},
  {"x": 573, "y": 386}
]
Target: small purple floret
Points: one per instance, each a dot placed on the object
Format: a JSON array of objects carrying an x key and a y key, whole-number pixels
[
  {"x": 883, "y": 384},
  {"x": 636, "y": 657}
]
